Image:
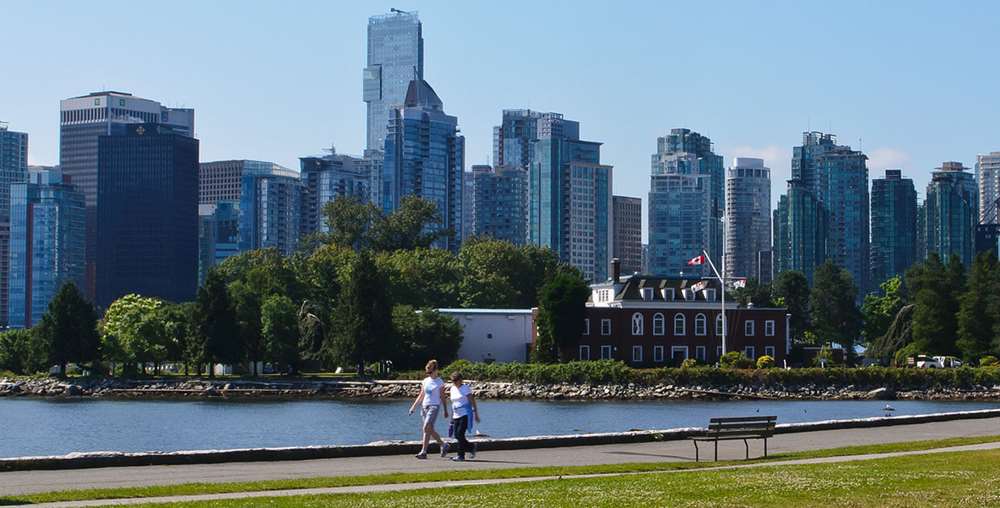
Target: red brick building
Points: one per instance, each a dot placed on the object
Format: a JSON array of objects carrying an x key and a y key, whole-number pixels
[{"x": 650, "y": 321}]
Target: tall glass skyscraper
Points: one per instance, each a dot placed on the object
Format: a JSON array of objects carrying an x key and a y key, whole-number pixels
[
  {"x": 82, "y": 121},
  {"x": 952, "y": 212},
  {"x": 47, "y": 242},
  {"x": 148, "y": 215},
  {"x": 685, "y": 203},
  {"x": 395, "y": 57},
  {"x": 270, "y": 205},
  {"x": 425, "y": 157},
  {"x": 894, "y": 226},
  {"x": 837, "y": 178},
  {"x": 330, "y": 176},
  {"x": 800, "y": 225},
  {"x": 499, "y": 203},
  {"x": 988, "y": 176},
  {"x": 748, "y": 217},
  {"x": 13, "y": 169}
]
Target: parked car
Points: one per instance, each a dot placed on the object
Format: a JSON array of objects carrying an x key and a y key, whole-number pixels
[{"x": 937, "y": 362}]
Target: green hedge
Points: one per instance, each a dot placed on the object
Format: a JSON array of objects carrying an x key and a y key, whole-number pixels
[{"x": 615, "y": 372}]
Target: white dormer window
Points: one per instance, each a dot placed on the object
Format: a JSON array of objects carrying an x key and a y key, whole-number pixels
[
  {"x": 647, "y": 294},
  {"x": 667, "y": 294},
  {"x": 688, "y": 294},
  {"x": 637, "y": 324},
  {"x": 710, "y": 295}
]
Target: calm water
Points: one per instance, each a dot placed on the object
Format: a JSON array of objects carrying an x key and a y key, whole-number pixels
[{"x": 47, "y": 427}]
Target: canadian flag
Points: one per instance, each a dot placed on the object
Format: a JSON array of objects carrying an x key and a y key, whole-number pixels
[{"x": 699, "y": 260}]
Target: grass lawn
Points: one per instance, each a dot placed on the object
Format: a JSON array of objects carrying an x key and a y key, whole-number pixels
[
  {"x": 341, "y": 481},
  {"x": 946, "y": 479}
]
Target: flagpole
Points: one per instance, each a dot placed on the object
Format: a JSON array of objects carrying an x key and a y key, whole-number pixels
[{"x": 722, "y": 281}]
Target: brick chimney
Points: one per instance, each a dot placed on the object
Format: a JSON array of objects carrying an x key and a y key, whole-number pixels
[{"x": 616, "y": 270}]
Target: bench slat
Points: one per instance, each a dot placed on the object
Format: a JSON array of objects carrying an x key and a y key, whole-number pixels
[{"x": 742, "y": 419}]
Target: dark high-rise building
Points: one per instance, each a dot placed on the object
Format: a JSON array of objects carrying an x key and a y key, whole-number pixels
[
  {"x": 82, "y": 121},
  {"x": 799, "y": 231},
  {"x": 627, "y": 233},
  {"x": 894, "y": 226},
  {"x": 952, "y": 212},
  {"x": 148, "y": 215},
  {"x": 13, "y": 169},
  {"x": 270, "y": 206},
  {"x": 425, "y": 157},
  {"x": 47, "y": 218},
  {"x": 500, "y": 203}
]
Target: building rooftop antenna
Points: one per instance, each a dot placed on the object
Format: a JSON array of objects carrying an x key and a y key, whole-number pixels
[{"x": 332, "y": 149}]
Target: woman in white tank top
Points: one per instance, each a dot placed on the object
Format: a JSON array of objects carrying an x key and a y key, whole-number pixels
[{"x": 431, "y": 399}]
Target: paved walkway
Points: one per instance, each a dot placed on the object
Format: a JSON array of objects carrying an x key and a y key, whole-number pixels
[
  {"x": 366, "y": 489},
  {"x": 23, "y": 482}
]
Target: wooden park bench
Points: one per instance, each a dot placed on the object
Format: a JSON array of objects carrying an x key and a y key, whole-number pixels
[{"x": 733, "y": 429}]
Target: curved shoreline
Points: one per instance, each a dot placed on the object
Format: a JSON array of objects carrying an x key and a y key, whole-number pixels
[
  {"x": 121, "y": 459},
  {"x": 313, "y": 389}
]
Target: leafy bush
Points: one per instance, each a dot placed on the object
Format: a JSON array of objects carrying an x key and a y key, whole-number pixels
[
  {"x": 22, "y": 352},
  {"x": 689, "y": 363},
  {"x": 736, "y": 360},
  {"x": 765, "y": 362},
  {"x": 988, "y": 361}
]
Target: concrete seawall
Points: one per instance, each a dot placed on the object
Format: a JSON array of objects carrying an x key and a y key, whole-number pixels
[{"x": 119, "y": 459}]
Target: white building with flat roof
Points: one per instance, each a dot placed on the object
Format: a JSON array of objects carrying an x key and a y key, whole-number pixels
[{"x": 493, "y": 335}]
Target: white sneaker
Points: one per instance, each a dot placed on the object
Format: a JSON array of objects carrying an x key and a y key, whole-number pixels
[{"x": 444, "y": 449}]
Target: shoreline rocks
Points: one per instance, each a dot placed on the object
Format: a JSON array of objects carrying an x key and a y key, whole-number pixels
[{"x": 319, "y": 389}]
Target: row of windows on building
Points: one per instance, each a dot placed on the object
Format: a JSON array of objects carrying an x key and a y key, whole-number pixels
[
  {"x": 677, "y": 353},
  {"x": 680, "y": 325}
]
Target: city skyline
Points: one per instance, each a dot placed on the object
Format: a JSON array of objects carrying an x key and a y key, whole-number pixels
[{"x": 872, "y": 108}]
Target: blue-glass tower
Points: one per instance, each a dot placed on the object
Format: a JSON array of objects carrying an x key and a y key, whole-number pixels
[
  {"x": 894, "y": 226},
  {"x": 270, "y": 205}
]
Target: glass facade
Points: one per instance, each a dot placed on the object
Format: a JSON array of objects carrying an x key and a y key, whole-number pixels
[
  {"x": 13, "y": 170},
  {"x": 269, "y": 212},
  {"x": 46, "y": 244},
  {"x": 686, "y": 203},
  {"x": 800, "y": 231},
  {"x": 499, "y": 203},
  {"x": 748, "y": 217},
  {"x": 218, "y": 235},
  {"x": 988, "y": 177},
  {"x": 894, "y": 226},
  {"x": 395, "y": 57},
  {"x": 148, "y": 217},
  {"x": 425, "y": 157},
  {"x": 627, "y": 233},
  {"x": 951, "y": 212},
  {"x": 328, "y": 177}
]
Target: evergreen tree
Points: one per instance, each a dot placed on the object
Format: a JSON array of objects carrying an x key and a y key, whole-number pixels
[
  {"x": 754, "y": 292},
  {"x": 363, "y": 319},
  {"x": 936, "y": 290},
  {"x": 561, "y": 311},
  {"x": 216, "y": 325},
  {"x": 976, "y": 322},
  {"x": 280, "y": 331},
  {"x": 69, "y": 329},
  {"x": 835, "y": 316},
  {"x": 791, "y": 290}
]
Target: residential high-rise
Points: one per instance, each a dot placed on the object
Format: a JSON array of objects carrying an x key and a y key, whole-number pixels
[
  {"x": 686, "y": 202},
  {"x": 499, "y": 203},
  {"x": 223, "y": 180},
  {"x": 218, "y": 235},
  {"x": 425, "y": 157},
  {"x": 748, "y": 217},
  {"x": 469, "y": 204},
  {"x": 327, "y": 177},
  {"x": 569, "y": 196},
  {"x": 894, "y": 226},
  {"x": 799, "y": 231},
  {"x": 147, "y": 221},
  {"x": 395, "y": 57},
  {"x": 13, "y": 169},
  {"x": 627, "y": 233},
  {"x": 513, "y": 139},
  {"x": 82, "y": 120},
  {"x": 47, "y": 234},
  {"x": 270, "y": 207},
  {"x": 952, "y": 212},
  {"x": 837, "y": 178},
  {"x": 988, "y": 177}
]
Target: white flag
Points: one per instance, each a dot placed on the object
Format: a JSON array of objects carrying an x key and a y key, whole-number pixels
[
  {"x": 699, "y": 286},
  {"x": 740, "y": 283}
]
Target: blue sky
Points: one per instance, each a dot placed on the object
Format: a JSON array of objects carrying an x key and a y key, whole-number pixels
[{"x": 912, "y": 83}]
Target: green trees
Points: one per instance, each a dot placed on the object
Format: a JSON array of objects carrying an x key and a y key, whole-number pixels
[
  {"x": 978, "y": 307},
  {"x": 280, "y": 331},
  {"x": 217, "y": 330},
  {"x": 21, "y": 352},
  {"x": 132, "y": 333},
  {"x": 835, "y": 317},
  {"x": 422, "y": 335},
  {"x": 362, "y": 321},
  {"x": 69, "y": 329},
  {"x": 879, "y": 310},
  {"x": 561, "y": 311},
  {"x": 936, "y": 291},
  {"x": 756, "y": 293},
  {"x": 421, "y": 277},
  {"x": 791, "y": 290}
]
